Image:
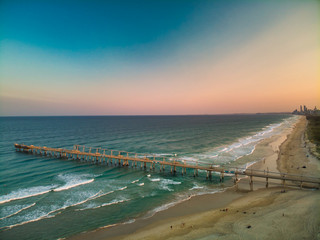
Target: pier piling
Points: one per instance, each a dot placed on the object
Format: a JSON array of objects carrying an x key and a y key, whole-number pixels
[{"x": 100, "y": 156}]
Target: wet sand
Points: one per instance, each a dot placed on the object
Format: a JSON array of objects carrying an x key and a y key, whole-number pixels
[{"x": 237, "y": 213}]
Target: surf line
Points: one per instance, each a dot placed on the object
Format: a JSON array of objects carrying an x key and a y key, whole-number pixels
[
  {"x": 26, "y": 193},
  {"x": 22, "y": 209},
  {"x": 125, "y": 158}
]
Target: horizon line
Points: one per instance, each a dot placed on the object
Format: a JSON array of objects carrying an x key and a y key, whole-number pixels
[{"x": 145, "y": 115}]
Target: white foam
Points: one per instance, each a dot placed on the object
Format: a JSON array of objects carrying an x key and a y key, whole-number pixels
[
  {"x": 130, "y": 221},
  {"x": 180, "y": 199},
  {"x": 74, "y": 204},
  {"x": 169, "y": 181},
  {"x": 149, "y": 175},
  {"x": 154, "y": 179},
  {"x": 29, "y": 221},
  {"x": 123, "y": 188},
  {"x": 115, "y": 224},
  {"x": 166, "y": 206},
  {"x": 86, "y": 200},
  {"x": 249, "y": 164},
  {"x": 223, "y": 150},
  {"x": 101, "y": 195},
  {"x": 26, "y": 193},
  {"x": 22, "y": 209},
  {"x": 40, "y": 214},
  {"x": 95, "y": 196},
  {"x": 141, "y": 184},
  {"x": 188, "y": 159},
  {"x": 195, "y": 186},
  {"x": 166, "y": 187},
  {"x": 33, "y": 216},
  {"x": 89, "y": 206},
  {"x": 72, "y": 185},
  {"x": 135, "y": 181},
  {"x": 242, "y": 146},
  {"x": 113, "y": 202},
  {"x": 164, "y": 184}
]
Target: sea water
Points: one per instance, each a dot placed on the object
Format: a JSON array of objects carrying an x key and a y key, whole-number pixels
[{"x": 50, "y": 198}]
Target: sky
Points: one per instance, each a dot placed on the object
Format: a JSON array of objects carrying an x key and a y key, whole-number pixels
[{"x": 77, "y": 57}]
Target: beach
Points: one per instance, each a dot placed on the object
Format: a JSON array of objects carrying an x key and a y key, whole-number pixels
[
  {"x": 159, "y": 120},
  {"x": 48, "y": 197},
  {"x": 236, "y": 213}
]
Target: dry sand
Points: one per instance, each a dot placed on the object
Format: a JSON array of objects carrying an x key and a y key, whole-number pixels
[
  {"x": 237, "y": 213},
  {"x": 294, "y": 155}
]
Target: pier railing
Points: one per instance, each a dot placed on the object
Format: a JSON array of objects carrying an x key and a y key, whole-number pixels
[{"x": 124, "y": 158}]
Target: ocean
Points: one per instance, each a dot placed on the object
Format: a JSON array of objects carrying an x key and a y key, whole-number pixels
[{"x": 51, "y": 198}]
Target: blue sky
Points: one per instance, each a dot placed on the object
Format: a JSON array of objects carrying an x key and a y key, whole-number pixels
[{"x": 157, "y": 53}]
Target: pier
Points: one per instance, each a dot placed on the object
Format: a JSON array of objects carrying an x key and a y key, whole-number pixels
[{"x": 125, "y": 159}]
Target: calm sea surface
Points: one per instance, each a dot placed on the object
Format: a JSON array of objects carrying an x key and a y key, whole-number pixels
[{"x": 51, "y": 198}]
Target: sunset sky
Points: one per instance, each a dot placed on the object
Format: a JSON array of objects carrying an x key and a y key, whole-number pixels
[{"x": 158, "y": 57}]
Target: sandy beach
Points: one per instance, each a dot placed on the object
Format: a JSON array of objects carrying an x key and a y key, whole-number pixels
[{"x": 237, "y": 213}]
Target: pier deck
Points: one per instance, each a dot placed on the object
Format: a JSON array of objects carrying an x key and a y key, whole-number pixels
[{"x": 123, "y": 158}]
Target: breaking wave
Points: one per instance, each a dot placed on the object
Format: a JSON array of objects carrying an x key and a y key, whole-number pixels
[
  {"x": 22, "y": 209},
  {"x": 72, "y": 181},
  {"x": 26, "y": 193}
]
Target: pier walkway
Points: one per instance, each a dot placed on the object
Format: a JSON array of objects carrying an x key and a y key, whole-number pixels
[{"x": 123, "y": 158}]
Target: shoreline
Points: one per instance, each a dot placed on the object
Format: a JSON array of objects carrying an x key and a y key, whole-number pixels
[{"x": 189, "y": 219}]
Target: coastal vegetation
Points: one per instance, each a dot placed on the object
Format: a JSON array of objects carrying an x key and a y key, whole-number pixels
[{"x": 313, "y": 132}]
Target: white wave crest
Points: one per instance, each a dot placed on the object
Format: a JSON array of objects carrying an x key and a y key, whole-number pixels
[
  {"x": 95, "y": 196},
  {"x": 29, "y": 221},
  {"x": 123, "y": 188},
  {"x": 113, "y": 202},
  {"x": 72, "y": 180},
  {"x": 164, "y": 184},
  {"x": 26, "y": 193},
  {"x": 55, "y": 209},
  {"x": 242, "y": 146},
  {"x": 195, "y": 186},
  {"x": 72, "y": 204},
  {"x": 20, "y": 210},
  {"x": 154, "y": 179},
  {"x": 169, "y": 181},
  {"x": 180, "y": 199},
  {"x": 223, "y": 150},
  {"x": 72, "y": 185},
  {"x": 84, "y": 201},
  {"x": 101, "y": 195}
]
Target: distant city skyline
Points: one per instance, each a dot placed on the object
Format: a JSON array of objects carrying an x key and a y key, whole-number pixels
[
  {"x": 304, "y": 110},
  {"x": 158, "y": 57}
]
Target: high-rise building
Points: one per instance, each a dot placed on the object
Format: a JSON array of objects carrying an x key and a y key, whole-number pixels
[{"x": 305, "y": 109}]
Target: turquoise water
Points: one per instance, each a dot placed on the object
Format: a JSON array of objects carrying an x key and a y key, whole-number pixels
[{"x": 51, "y": 198}]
